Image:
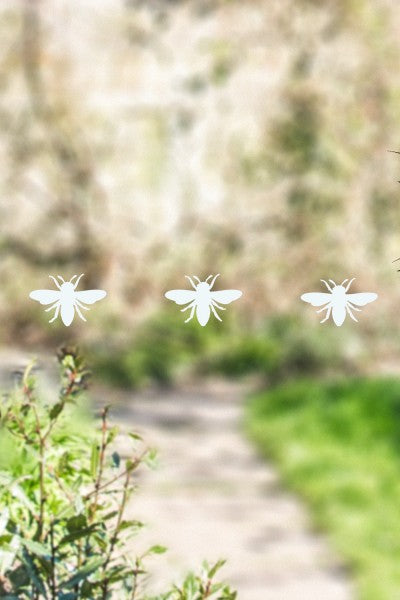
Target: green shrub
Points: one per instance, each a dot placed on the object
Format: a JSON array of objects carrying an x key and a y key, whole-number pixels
[
  {"x": 281, "y": 348},
  {"x": 159, "y": 347},
  {"x": 63, "y": 531}
]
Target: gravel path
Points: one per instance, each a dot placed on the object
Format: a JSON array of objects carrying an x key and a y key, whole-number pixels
[{"x": 212, "y": 497}]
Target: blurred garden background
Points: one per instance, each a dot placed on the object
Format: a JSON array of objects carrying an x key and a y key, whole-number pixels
[{"x": 141, "y": 141}]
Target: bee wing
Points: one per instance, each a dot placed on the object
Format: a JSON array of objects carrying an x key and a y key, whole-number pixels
[
  {"x": 361, "y": 299},
  {"x": 181, "y": 296},
  {"x": 317, "y": 298},
  {"x": 45, "y": 296},
  {"x": 90, "y": 296},
  {"x": 226, "y": 296}
]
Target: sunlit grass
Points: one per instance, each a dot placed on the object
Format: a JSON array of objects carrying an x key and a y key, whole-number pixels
[{"x": 337, "y": 444}]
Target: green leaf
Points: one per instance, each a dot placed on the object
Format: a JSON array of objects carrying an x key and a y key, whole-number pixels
[
  {"x": 63, "y": 462},
  {"x": 157, "y": 550},
  {"x": 112, "y": 434},
  {"x": 76, "y": 535},
  {"x": 76, "y": 522},
  {"x": 151, "y": 458},
  {"x": 33, "y": 573},
  {"x": 56, "y": 410},
  {"x": 218, "y": 565},
  {"x": 8, "y": 553},
  {"x": 94, "y": 459},
  {"x": 79, "y": 504},
  {"x": 36, "y": 548},
  {"x": 18, "y": 493},
  {"x": 110, "y": 515},
  {"x": 83, "y": 573},
  {"x": 128, "y": 524}
]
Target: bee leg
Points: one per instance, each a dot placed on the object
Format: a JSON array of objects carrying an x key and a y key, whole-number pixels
[
  {"x": 353, "y": 307},
  {"x": 323, "y": 308},
  {"x": 56, "y": 313},
  {"x": 79, "y": 312},
  {"x": 188, "y": 306},
  {"x": 217, "y": 305},
  {"x": 191, "y": 314},
  {"x": 328, "y": 312},
  {"x": 81, "y": 305},
  {"x": 350, "y": 313},
  {"x": 52, "y": 306},
  {"x": 216, "y": 315}
]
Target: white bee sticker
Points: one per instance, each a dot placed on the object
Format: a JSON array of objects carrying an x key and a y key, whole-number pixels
[
  {"x": 202, "y": 300},
  {"x": 338, "y": 301},
  {"x": 67, "y": 299}
]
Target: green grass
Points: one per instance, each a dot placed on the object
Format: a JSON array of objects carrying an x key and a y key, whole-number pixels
[{"x": 337, "y": 444}]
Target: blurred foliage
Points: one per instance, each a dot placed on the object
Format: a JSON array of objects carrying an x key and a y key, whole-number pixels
[
  {"x": 280, "y": 348},
  {"x": 63, "y": 530},
  {"x": 159, "y": 346},
  {"x": 165, "y": 347},
  {"x": 256, "y": 144},
  {"x": 337, "y": 443}
]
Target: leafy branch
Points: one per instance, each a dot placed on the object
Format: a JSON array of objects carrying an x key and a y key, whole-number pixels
[{"x": 63, "y": 499}]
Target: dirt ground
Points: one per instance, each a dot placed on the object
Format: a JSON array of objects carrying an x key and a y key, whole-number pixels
[{"x": 213, "y": 497}]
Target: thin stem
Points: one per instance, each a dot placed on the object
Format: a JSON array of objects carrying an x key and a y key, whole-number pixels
[
  {"x": 207, "y": 590},
  {"x": 53, "y": 586},
  {"x": 114, "y": 538},
  {"x": 129, "y": 469},
  {"x": 103, "y": 446},
  {"x": 42, "y": 447},
  {"x": 135, "y": 580}
]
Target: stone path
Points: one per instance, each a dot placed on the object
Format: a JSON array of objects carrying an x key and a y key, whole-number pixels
[{"x": 212, "y": 497}]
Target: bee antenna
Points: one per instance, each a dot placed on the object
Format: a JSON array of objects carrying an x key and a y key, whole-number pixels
[
  {"x": 326, "y": 283},
  {"x": 195, "y": 277},
  {"x": 192, "y": 283},
  {"x": 72, "y": 278},
  {"x": 209, "y": 277},
  {"x": 61, "y": 278},
  {"x": 349, "y": 284},
  {"x": 213, "y": 281},
  {"x": 55, "y": 281},
  {"x": 77, "y": 281},
  {"x": 396, "y": 259}
]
